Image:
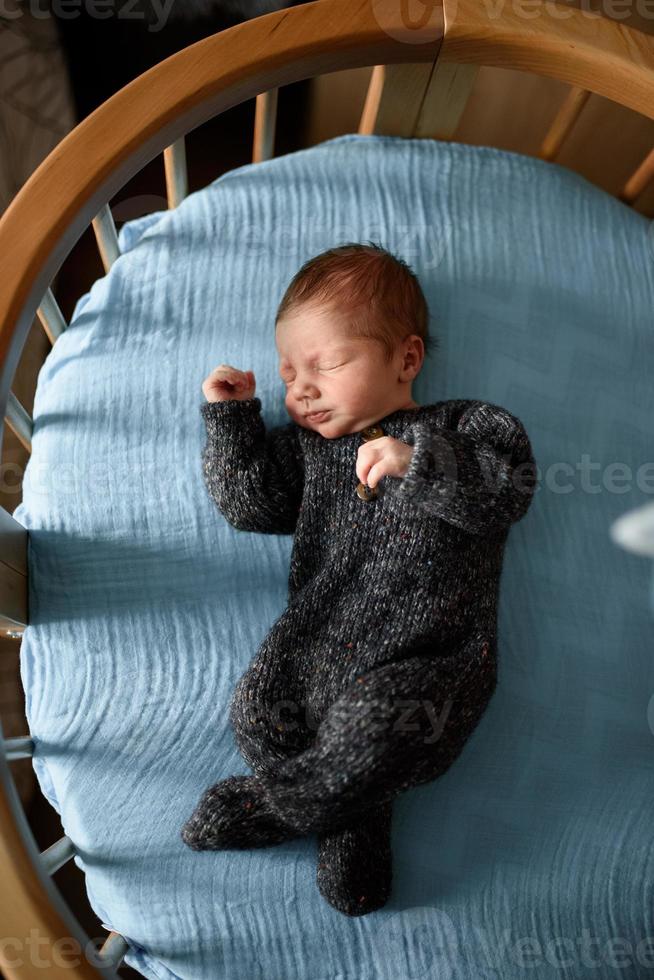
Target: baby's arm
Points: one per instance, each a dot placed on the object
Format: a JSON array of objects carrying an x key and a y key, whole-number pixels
[
  {"x": 478, "y": 474},
  {"x": 255, "y": 477}
]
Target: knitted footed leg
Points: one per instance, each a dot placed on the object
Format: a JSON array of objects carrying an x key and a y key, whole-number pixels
[
  {"x": 265, "y": 728},
  {"x": 397, "y": 726},
  {"x": 234, "y": 814},
  {"x": 355, "y": 865}
]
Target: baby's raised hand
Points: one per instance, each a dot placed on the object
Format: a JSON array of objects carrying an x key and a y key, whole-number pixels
[
  {"x": 380, "y": 457},
  {"x": 226, "y": 382}
]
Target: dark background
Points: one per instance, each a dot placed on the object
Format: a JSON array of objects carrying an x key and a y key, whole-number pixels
[{"x": 103, "y": 56}]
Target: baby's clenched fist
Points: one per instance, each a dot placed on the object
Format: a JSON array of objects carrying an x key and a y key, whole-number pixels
[{"x": 226, "y": 382}]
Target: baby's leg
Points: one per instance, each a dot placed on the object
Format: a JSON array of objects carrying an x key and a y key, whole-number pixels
[
  {"x": 268, "y": 721},
  {"x": 394, "y": 727},
  {"x": 266, "y": 738},
  {"x": 355, "y": 865}
]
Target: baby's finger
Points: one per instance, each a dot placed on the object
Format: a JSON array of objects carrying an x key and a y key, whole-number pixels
[
  {"x": 219, "y": 370},
  {"x": 363, "y": 467},
  {"x": 367, "y": 454},
  {"x": 223, "y": 371},
  {"x": 375, "y": 474}
]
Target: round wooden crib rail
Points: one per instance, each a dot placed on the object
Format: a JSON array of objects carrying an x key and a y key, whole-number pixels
[{"x": 72, "y": 186}]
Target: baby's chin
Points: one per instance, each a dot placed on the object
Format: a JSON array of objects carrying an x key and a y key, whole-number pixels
[{"x": 332, "y": 428}]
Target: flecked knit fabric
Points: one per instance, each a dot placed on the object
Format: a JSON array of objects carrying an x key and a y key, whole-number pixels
[{"x": 382, "y": 664}]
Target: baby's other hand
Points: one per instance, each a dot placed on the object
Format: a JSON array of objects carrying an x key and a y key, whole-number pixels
[
  {"x": 385, "y": 456},
  {"x": 226, "y": 382}
]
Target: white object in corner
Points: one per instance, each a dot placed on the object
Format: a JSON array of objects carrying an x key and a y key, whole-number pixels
[{"x": 634, "y": 530}]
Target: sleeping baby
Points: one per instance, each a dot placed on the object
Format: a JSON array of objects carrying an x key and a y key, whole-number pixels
[{"x": 385, "y": 658}]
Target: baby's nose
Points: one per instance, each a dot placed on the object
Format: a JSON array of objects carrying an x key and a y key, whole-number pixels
[{"x": 303, "y": 389}]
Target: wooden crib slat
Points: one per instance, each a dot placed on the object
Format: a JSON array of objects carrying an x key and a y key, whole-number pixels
[
  {"x": 19, "y": 421},
  {"x": 393, "y": 100},
  {"x": 373, "y": 99},
  {"x": 21, "y": 747},
  {"x": 51, "y": 317},
  {"x": 639, "y": 180},
  {"x": 417, "y": 100},
  {"x": 106, "y": 237},
  {"x": 176, "y": 175},
  {"x": 55, "y": 856},
  {"x": 445, "y": 100},
  {"x": 112, "y": 952},
  {"x": 13, "y": 542},
  {"x": 564, "y": 120},
  {"x": 13, "y": 601},
  {"x": 265, "y": 121},
  {"x": 13, "y": 576}
]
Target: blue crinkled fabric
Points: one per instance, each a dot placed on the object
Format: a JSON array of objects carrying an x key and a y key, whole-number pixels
[{"x": 146, "y": 606}]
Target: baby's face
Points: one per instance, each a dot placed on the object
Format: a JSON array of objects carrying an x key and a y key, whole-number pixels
[{"x": 326, "y": 370}]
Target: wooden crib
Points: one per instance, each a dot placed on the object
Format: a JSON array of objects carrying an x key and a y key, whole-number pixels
[{"x": 421, "y": 78}]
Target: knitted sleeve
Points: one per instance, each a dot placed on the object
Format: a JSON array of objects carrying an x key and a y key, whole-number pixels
[
  {"x": 256, "y": 477},
  {"x": 479, "y": 475}
]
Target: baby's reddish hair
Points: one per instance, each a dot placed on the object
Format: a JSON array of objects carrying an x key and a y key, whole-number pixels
[{"x": 378, "y": 292}]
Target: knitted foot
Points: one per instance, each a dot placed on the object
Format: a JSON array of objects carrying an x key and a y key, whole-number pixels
[
  {"x": 355, "y": 865},
  {"x": 234, "y": 814}
]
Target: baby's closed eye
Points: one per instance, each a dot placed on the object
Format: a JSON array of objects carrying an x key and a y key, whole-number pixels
[{"x": 288, "y": 381}]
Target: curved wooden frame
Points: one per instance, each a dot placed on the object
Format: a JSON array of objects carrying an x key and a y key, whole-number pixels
[{"x": 151, "y": 115}]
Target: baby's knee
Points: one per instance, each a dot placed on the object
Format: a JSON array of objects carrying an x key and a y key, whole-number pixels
[{"x": 266, "y": 714}]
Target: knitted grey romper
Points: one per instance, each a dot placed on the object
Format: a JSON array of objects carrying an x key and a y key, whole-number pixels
[{"x": 385, "y": 658}]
